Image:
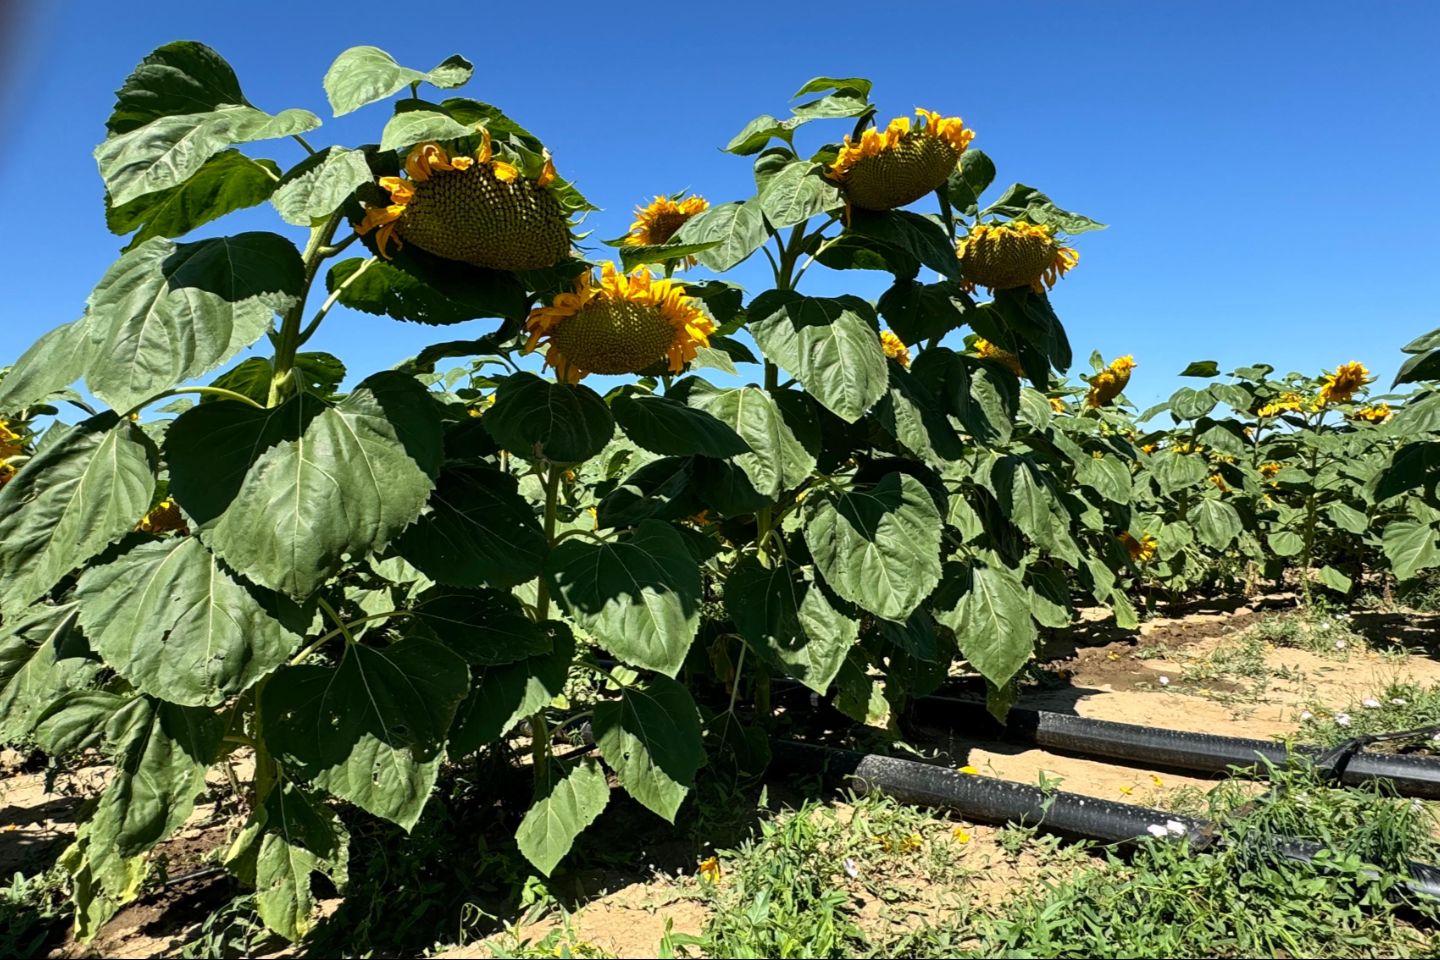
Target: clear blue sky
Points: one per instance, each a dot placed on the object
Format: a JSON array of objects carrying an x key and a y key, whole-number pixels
[{"x": 1269, "y": 170}]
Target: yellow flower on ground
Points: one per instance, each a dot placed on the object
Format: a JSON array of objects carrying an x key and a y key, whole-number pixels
[
  {"x": 1378, "y": 413},
  {"x": 622, "y": 323},
  {"x": 988, "y": 351},
  {"x": 1142, "y": 550},
  {"x": 968, "y": 769},
  {"x": 1109, "y": 383},
  {"x": 710, "y": 869},
  {"x": 657, "y": 223},
  {"x": 1127, "y": 790},
  {"x": 889, "y": 168},
  {"x": 1057, "y": 405},
  {"x": 912, "y": 843},
  {"x": 895, "y": 348},
  {"x": 165, "y": 517},
  {"x": 473, "y": 208},
  {"x": 1287, "y": 402},
  {"x": 1344, "y": 383},
  {"x": 961, "y": 835},
  {"x": 1005, "y": 255}
]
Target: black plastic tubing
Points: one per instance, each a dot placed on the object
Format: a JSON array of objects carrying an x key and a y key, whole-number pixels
[{"x": 1173, "y": 749}]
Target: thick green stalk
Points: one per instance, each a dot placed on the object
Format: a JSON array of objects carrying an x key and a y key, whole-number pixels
[
  {"x": 539, "y": 726},
  {"x": 288, "y": 341}
]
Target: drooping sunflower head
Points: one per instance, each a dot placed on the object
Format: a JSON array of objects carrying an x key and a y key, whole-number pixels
[
  {"x": 1141, "y": 550},
  {"x": 1269, "y": 470},
  {"x": 1109, "y": 383},
  {"x": 1218, "y": 482},
  {"x": 621, "y": 323},
  {"x": 7, "y": 472},
  {"x": 477, "y": 208},
  {"x": 895, "y": 348},
  {"x": 1014, "y": 254},
  {"x": 1058, "y": 406},
  {"x": 657, "y": 222},
  {"x": 1344, "y": 383},
  {"x": 889, "y": 168},
  {"x": 1376, "y": 413},
  {"x": 164, "y": 517},
  {"x": 988, "y": 351},
  {"x": 11, "y": 443}
]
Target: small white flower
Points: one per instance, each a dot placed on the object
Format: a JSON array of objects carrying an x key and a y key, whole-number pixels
[
  {"x": 1306, "y": 715},
  {"x": 1343, "y": 719},
  {"x": 1164, "y": 681},
  {"x": 1175, "y": 827},
  {"x": 1339, "y": 644},
  {"x": 1371, "y": 703},
  {"x": 1399, "y": 701},
  {"x": 1157, "y": 830},
  {"x": 1435, "y": 738},
  {"x": 851, "y": 870}
]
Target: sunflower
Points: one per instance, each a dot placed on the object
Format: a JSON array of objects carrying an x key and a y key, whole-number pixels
[
  {"x": 895, "y": 348},
  {"x": 7, "y": 472},
  {"x": 1378, "y": 413},
  {"x": 1057, "y": 405},
  {"x": 11, "y": 443},
  {"x": 1218, "y": 482},
  {"x": 1015, "y": 254},
  {"x": 1109, "y": 383},
  {"x": 1142, "y": 550},
  {"x": 623, "y": 323},
  {"x": 1287, "y": 402},
  {"x": 473, "y": 208},
  {"x": 164, "y": 517},
  {"x": 988, "y": 351},
  {"x": 657, "y": 223},
  {"x": 899, "y": 165},
  {"x": 1343, "y": 384}
]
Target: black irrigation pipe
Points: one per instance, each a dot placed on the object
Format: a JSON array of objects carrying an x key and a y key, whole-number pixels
[
  {"x": 991, "y": 800},
  {"x": 1183, "y": 750}
]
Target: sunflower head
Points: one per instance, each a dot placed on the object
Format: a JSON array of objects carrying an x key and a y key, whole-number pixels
[
  {"x": 1218, "y": 482},
  {"x": 889, "y": 168},
  {"x": 164, "y": 517},
  {"x": 658, "y": 222},
  {"x": 622, "y": 323},
  {"x": 1057, "y": 405},
  {"x": 1269, "y": 470},
  {"x": 988, "y": 351},
  {"x": 895, "y": 348},
  {"x": 1287, "y": 402},
  {"x": 1344, "y": 383},
  {"x": 1109, "y": 383},
  {"x": 1141, "y": 550},
  {"x": 7, "y": 472},
  {"x": 476, "y": 208},
  {"x": 1377, "y": 413},
  {"x": 1014, "y": 254},
  {"x": 11, "y": 443}
]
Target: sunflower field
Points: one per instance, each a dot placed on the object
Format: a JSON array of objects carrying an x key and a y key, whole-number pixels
[{"x": 230, "y": 561}]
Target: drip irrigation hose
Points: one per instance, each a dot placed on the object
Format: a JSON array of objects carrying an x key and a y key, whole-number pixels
[
  {"x": 1182, "y": 750},
  {"x": 991, "y": 800}
]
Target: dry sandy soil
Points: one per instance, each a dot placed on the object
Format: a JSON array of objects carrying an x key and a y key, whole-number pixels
[{"x": 1093, "y": 670}]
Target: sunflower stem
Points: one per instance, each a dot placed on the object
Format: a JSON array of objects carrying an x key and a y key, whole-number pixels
[
  {"x": 304, "y": 143},
  {"x": 287, "y": 342}
]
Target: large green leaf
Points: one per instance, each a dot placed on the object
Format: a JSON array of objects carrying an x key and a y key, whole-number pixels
[
  {"x": 777, "y": 460},
  {"x": 878, "y": 547},
  {"x": 75, "y": 498},
  {"x": 564, "y": 807},
  {"x": 651, "y": 738},
  {"x": 736, "y": 229},
  {"x": 38, "y": 665},
  {"x": 1410, "y": 546},
  {"x": 415, "y": 126},
  {"x": 166, "y": 312},
  {"x": 662, "y": 489},
  {"x": 668, "y": 427},
  {"x": 797, "y": 193},
  {"x": 359, "y": 473},
  {"x": 832, "y": 346},
  {"x": 161, "y": 752},
  {"x": 968, "y": 182},
  {"x": 786, "y": 616},
  {"x": 488, "y": 628},
  {"x": 560, "y": 422},
  {"x": 179, "y": 77},
  {"x": 639, "y": 594},
  {"x": 416, "y": 288},
  {"x": 905, "y": 239},
  {"x": 922, "y": 311},
  {"x": 991, "y": 621},
  {"x": 914, "y": 417},
  {"x": 753, "y": 137},
  {"x": 363, "y": 75},
  {"x": 227, "y": 182},
  {"x": 479, "y": 531},
  {"x": 53, "y": 362},
  {"x": 169, "y": 150},
  {"x": 286, "y": 840},
  {"x": 317, "y": 186},
  {"x": 372, "y": 729},
  {"x": 168, "y": 618},
  {"x": 1216, "y": 522},
  {"x": 501, "y": 697}
]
